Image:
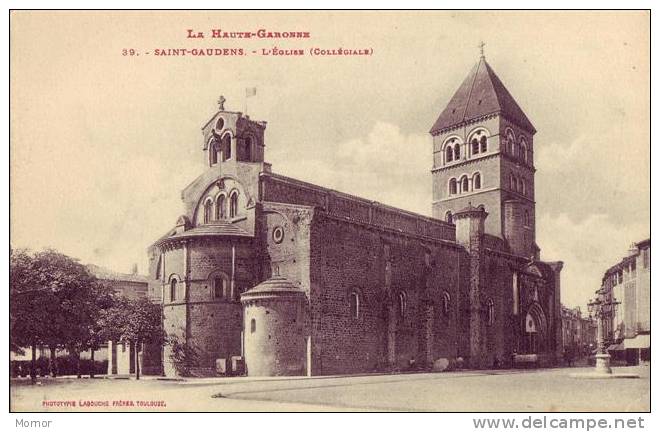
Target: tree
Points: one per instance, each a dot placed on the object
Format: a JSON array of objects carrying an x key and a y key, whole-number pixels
[
  {"x": 135, "y": 321},
  {"x": 29, "y": 303},
  {"x": 184, "y": 356},
  {"x": 54, "y": 301}
]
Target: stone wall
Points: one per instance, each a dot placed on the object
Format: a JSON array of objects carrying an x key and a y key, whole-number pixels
[
  {"x": 210, "y": 325},
  {"x": 276, "y": 188},
  {"x": 350, "y": 258}
]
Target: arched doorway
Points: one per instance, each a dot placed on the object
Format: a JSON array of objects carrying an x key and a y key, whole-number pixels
[{"x": 534, "y": 330}]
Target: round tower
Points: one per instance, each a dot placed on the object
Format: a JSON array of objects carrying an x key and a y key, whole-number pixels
[{"x": 274, "y": 317}]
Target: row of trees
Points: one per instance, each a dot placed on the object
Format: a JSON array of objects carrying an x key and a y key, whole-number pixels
[{"x": 56, "y": 302}]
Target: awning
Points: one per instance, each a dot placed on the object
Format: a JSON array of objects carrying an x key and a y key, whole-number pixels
[
  {"x": 616, "y": 347},
  {"x": 639, "y": 341}
]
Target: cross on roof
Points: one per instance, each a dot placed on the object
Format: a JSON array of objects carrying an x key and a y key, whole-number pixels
[
  {"x": 481, "y": 47},
  {"x": 221, "y": 103}
]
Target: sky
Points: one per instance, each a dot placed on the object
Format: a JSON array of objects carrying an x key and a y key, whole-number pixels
[{"x": 102, "y": 144}]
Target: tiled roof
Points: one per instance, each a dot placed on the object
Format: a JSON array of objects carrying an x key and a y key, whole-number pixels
[
  {"x": 482, "y": 93},
  {"x": 111, "y": 275},
  {"x": 214, "y": 229},
  {"x": 276, "y": 286}
]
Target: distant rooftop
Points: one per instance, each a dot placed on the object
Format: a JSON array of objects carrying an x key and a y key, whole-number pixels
[{"x": 107, "y": 274}]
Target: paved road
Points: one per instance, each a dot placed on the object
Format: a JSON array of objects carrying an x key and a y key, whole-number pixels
[{"x": 536, "y": 390}]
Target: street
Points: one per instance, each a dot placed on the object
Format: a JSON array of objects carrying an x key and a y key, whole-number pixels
[{"x": 498, "y": 390}]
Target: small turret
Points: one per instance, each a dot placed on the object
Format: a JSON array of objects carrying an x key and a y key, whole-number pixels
[
  {"x": 470, "y": 225},
  {"x": 274, "y": 322},
  {"x": 470, "y": 233},
  {"x": 231, "y": 136}
]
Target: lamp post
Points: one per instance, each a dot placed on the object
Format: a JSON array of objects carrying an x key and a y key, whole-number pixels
[{"x": 600, "y": 309}]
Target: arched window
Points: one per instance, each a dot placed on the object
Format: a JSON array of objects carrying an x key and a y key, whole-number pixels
[
  {"x": 253, "y": 325},
  {"x": 446, "y": 303},
  {"x": 221, "y": 288},
  {"x": 449, "y": 217},
  {"x": 220, "y": 211},
  {"x": 476, "y": 181},
  {"x": 523, "y": 150},
  {"x": 512, "y": 181},
  {"x": 403, "y": 304},
  {"x": 247, "y": 149},
  {"x": 475, "y": 146},
  {"x": 427, "y": 257},
  {"x": 510, "y": 139},
  {"x": 526, "y": 218},
  {"x": 479, "y": 142},
  {"x": 517, "y": 184},
  {"x": 208, "y": 206},
  {"x": 354, "y": 304},
  {"x": 516, "y": 294},
  {"x": 522, "y": 186},
  {"x": 457, "y": 151},
  {"x": 159, "y": 267},
  {"x": 490, "y": 311},
  {"x": 226, "y": 147},
  {"x": 465, "y": 186},
  {"x": 173, "y": 284},
  {"x": 453, "y": 187},
  {"x": 449, "y": 154},
  {"x": 233, "y": 205},
  {"x": 213, "y": 152}
]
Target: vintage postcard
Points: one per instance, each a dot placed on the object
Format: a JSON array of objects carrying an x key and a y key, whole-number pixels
[{"x": 263, "y": 211}]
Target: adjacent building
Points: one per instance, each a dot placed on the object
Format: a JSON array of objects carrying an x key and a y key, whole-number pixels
[
  {"x": 295, "y": 278},
  {"x": 120, "y": 354},
  {"x": 578, "y": 333},
  {"x": 628, "y": 282}
]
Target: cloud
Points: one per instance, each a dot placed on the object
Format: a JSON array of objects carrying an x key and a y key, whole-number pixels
[
  {"x": 606, "y": 171},
  {"x": 587, "y": 248},
  {"x": 385, "y": 165}
]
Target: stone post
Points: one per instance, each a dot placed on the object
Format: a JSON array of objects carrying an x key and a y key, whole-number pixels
[
  {"x": 469, "y": 233},
  {"x": 602, "y": 357}
]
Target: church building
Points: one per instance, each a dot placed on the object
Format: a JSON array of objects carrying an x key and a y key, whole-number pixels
[{"x": 268, "y": 275}]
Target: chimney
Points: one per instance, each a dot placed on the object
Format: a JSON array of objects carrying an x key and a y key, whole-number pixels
[
  {"x": 633, "y": 250},
  {"x": 134, "y": 269}
]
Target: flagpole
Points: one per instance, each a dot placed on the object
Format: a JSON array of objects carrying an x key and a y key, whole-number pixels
[{"x": 249, "y": 92}]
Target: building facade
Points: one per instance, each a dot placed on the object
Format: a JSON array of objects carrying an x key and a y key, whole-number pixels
[
  {"x": 628, "y": 282},
  {"x": 578, "y": 333},
  {"x": 121, "y": 354},
  {"x": 294, "y": 278}
]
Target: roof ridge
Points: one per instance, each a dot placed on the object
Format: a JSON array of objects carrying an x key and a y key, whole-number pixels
[
  {"x": 481, "y": 85},
  {"x": 493, "y": 77},
  {"x": 474, "y": 79}
]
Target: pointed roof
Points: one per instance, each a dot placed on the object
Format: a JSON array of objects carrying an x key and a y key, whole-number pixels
[{"x": 482, "y": 93}]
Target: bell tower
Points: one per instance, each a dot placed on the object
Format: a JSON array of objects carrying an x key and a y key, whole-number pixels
[
  {"x": 231, "y": 137},
  {"x": 483, "y": 154}
]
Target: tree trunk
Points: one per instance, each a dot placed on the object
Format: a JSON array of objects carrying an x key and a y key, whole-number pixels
[
  {"x": 137, "y": 360},
  {"x": 33, "y": 363},
  {"x": 91, "y": 358},
  {"x": 52, "y": 362},
  {"x": 78, "y": 372}
]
